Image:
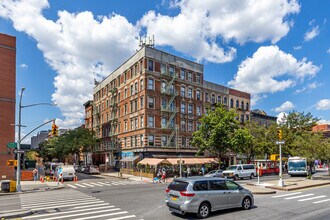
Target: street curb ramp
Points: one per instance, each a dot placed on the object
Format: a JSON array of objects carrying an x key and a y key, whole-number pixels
[{"x": 15, "y": 213}]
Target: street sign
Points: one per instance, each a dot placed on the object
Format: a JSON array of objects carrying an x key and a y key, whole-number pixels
[
  {"x": 11, "y": 163},
  {"x": 12, "y": 145},
  {"x": 18, "y": 151},
  {"x": 279, "y": 142}
]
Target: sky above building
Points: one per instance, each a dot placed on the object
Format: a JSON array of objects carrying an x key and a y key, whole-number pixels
[{"x": 278, "y": 51}]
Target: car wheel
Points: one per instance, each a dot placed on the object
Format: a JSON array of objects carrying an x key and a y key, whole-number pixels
[
  {"x": 246, "y": 204},
  {"x": 236, "y": 177},
  {"x": 252, "y": 176},
  {"x": 204, "y": 210}
]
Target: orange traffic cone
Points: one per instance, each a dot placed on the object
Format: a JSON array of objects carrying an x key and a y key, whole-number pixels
[
  {"x": 42, "y": 180},
  {"x": 75, "y": 179},
  {"x": 62, "y": 180}
]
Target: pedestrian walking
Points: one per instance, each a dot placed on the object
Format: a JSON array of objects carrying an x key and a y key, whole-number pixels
[
  {"x": 59, "y": 175},
  {"x": 164, "y": 176},
  {"x": 35, "y": 174},
  {"x": 189, "y": 171},
  {"x": 203, "y": 170}
]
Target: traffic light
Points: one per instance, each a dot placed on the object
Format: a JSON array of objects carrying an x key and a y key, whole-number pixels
[
  {"x": 279, "y": 134},
  {"x": 54, "y": 130}
]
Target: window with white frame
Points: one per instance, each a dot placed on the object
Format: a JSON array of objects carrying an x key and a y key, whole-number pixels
[
  {"x": 125, "y": 125},
  {"x": 190, "y": 109},
  {"x": 132, "y": 90},
  {"x": 183, "y": 125},
  {"x": 198, "y": 111},
  {"x": 141, "y": 84},
  {"x": 198, "y": 78},
  {"x": 219, "y": 99},
  {"x": 141, "y": 102},
  {"x": 151, "y": 84},
  {"x": 150, "y": 65},
  {"x": 164, "y": 140},
  {"x": 189, "y": 76},
  {"x": 183, "y": 74},
  {"x": 163, "y": 120},
  {"x": 125, "y": 109},
  {"x": 171, "y": 70},
  {"x": 125, "y": 94},
  {"x": 213, "y": 98},
  {"x": 206, "y": 97},
  {"x": 151, "y": 121},
  {"x": 198, "y": 125},
  {"x": 225, "y": 101},
  {"x": 190, "y": 126},
  {"x": 183, "y": 107},
  {"x": 163, "y": 86},
  {"x": 198, "y": 95},
  {"x": 151, "y": 140},
  {"x": 183, "y": 142},
  {"x": 141, "y": 122},
  {"x": 151, "y": 102},
  {"x": 141, "y": 140},
  {"x": 163, "y": 68},
  {"x": 183, "y": 91},
  {"x": 132, "y": 124},
  {"x": 190, "y": 92}
]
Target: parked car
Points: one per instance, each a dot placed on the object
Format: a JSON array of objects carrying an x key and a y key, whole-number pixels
[
  {"x": 240, "y": 171},
  {"x": 80, "y": 169},
  {"x": 92, "y": 169},
  {"x": 204, "y": 195},
  {"x": 214, "y": 173},
  {"x": 68, "y": 172}
]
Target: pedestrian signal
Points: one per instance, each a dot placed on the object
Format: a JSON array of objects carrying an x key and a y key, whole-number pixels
[{"x": 279, "y": 134}]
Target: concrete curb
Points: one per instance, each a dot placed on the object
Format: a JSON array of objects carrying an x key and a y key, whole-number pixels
[
  {"x": 292, "y": 188},
  {"x": 31, "y": 191},
  {"x": 15, "y": 213}
]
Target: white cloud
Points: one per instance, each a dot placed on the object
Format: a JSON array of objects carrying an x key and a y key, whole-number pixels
[
  {"x": 271, "y": 70},
  {"x": 328, "y": 51},
  {"x": 309, "y": 87},
  {"x": 323, "y": 104},
  {"x": 312, "y": 33},
  {"x": 286, "y": 106},
  {"x": 323, "y": 121},
  {"x": 78, "y": 55},
  {"x": 23, "y": 66},
  {"x": 297, "y": 48},
  {"x": 201, "y": 24},
  {"x": 281, "y": 118}
]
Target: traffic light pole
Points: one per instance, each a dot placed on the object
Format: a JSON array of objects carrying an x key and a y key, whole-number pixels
[{"x": 280, "y": 181}]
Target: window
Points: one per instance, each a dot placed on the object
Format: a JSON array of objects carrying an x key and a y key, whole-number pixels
[
  {"x": 198, "y": 78},
  {"x": 132, "y": 90},
  {"x": 206, "y": 97},
  {"x": 132, "y": 124},
  {"x": 200, "y": 185},
  {"x": 247, "y": 106},
  {"x": 219, "y": 99},
  {"x": 198, "y": 109},
  {"x": 163, "y": 68},
  {"x": 125, "y": 125},
  {"x": 184, "y": 142},
  {"x": 163, "y": 86},
  {"x": 182, "y": 74},
  {"x": 198, "y": 125},
  {"x": 198, "y": 95},
  {"x": 164, "y": 140},
  {"x": 171, "y": 70},
  {"x": 151, "y": 140},
  {"x": 242, "y": 105},
  {"x": 217, "y": 185},
  {"x": 141, "y": 84},
  {"x": 136, "y": 123},
  {"x": 247, "y": 118},
  {"x": 183, "y": 91},
  {"x": 125, "y": 110},
  {"x": 163, "y": 120},
  {"x": 132, "y": 109},
  {"x": 237, "y": 104},
  {"x": 189, "y": 76},
  {"x": 190, "y": 126},
  {"x": 242, "y": 118},
  {"x": 151, "y": 102},
  {"x": 189, "y": 92},
  {"x": 135, "y": 105},
  {"x": 231, "y": 185},
  {"x": 141, "y": 140},
  {"x": 231, "y": 103},
  {"x": 141, "y": 102},
  {"x": 213, "y": 98},
  {"x": 183, "y": 125},
  {"x": 131, "y": 141},
  {"x": 125, "y": 94},
  {"x": 151, "y": 121},
  {"x": 190, "y": 109},
  {"x": 141, "y": 122},
  {"x": 164, "y": 103},
  {"x": 150, "y": 65},
  {"x": 225, "y": 101},
  {"x": 183, "y": 107},
  {"x": 136, "y": 87},
  {"x": 125, "y": 142},
  {"x": 151, "y": 84}
]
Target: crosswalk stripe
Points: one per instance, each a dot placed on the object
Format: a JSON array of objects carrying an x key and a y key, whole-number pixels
[
  {"x": 80, "y": 185},
  {"x": 96, "y": 184},
  {"x": 59, "y": 198},
  {"x": 98, "y": 216},
  {"x": 106, "y": 184},
  {"x": 57, "y": 201},
  {"x": 66, "y": 212},
  {"x": 326, "y": 200},
  {"x": 55, "y": 204},
  {"x": 88, "y": 184},
  {"x": 87, "y": 206},
  {"x": 85, "y": 213},
  {"x": 62, "y": 206},
  {"x": 71, "y": 186},
  {"x": 317, "y": 197},
  {"x": 123, "y": 217},
  {"x": 290, "y": 194},
  {"x": 296, "y": 197}
]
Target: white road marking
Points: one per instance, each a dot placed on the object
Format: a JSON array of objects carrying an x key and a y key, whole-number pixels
[
  {"x": 86, "y": 213},
  {"x": 80, "y": 185},
  {"x": 56, "y": 201},
  {"x": 87, "y": 206},
  {"x": 290, "y": 194},
  {"x": 62, "y": 206},
  {"x": 98, "y": 216},
  {"x": 96, "y": 184},
  {"x": 88, "y": 184},
  {"x": 105, "y": 184},
  {"x": 124, "y": 217},
  {"x": 296, "y": 197},
  {"x": 317, "y": 197},
  {"x": 67, "y": 212},
  {"x": 71, "y": 186},
  {"x": 326, "y": 200}
]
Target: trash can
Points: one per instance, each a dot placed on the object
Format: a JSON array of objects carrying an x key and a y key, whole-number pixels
[
  {"x": 5, "y": 185},
  {"x": 12, "y": 187}
]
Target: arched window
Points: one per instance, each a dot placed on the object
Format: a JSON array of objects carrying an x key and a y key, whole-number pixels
[
  {"x": 219, "y": 99},
  {"x": 225, "y": 100},
  {"x": 242, "y": 105},
  {"x": 231, "y": 103},
  {"x": 237, "y": 104},
  {"x": 213, "y": 98},
  {"x": 247, "y": 106},
  {"x": 206, "y": 97}
]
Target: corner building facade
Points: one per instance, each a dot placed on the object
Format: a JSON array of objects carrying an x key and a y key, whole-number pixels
[{"x": 151, "y": 105}]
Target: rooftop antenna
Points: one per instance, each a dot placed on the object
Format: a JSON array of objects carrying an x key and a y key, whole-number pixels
[{"x": 147, "y": 41}]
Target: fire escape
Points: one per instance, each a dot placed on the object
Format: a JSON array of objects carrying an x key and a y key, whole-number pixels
[
  {"x": 168, "y": 108},
  {"x": 113, "y": 121}
]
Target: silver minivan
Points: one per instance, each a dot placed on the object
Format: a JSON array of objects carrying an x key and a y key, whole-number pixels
[{"x": 203, "y": 195}]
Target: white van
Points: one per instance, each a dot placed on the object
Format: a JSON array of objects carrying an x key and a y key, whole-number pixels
[
  {"x": 68, "y": 172},
  {"x": 240, "y": 171}
]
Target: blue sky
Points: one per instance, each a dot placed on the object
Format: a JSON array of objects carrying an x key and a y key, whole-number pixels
[{"x": 279, "y": 51}]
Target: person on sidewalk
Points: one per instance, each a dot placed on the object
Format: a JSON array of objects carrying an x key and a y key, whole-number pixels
[
  {"x": 59, "y": 175},
  {"x": 35, "y": 174},
  {"x": 189, "y": 171}
]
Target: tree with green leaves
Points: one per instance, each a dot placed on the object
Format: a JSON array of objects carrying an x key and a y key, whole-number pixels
[{"x": 216, "y": 132}]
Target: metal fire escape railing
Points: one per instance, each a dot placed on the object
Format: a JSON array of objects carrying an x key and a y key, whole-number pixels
[
  {"x": 169, "y": 110},
  {"x": 113, "y": 134}
]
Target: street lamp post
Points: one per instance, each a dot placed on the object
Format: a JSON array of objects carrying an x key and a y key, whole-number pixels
[{"x": 19, "y": 140}]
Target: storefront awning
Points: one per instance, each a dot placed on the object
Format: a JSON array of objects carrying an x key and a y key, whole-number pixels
[
  {"x": 191, "y": 161},
  {"x": 153, "y": 161},
  {"x": 129, "y": 159}
]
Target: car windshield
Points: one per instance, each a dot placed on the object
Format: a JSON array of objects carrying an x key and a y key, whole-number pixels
[
  {"x": 178, "y": 186},
  {"x": 212, "y": 172},
  {"x": 232, "y": 168},
  {"x": 297, "y": 165}
]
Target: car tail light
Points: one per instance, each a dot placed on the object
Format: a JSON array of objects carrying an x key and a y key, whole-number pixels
[
  {"x": 167, "y": 190},
  {"x": 185, "y": 193}
]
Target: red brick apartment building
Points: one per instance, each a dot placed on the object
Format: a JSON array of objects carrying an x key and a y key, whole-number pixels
[
  {"x": 7, "y": 102},
  {"x": 323, "y": 128},
  {"x": 151, "y": 105}
]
